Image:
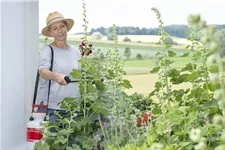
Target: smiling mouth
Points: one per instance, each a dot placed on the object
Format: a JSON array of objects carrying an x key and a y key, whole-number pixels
[{"x": 61, "y": 35}]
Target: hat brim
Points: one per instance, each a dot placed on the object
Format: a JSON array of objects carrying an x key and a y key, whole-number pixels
[{"x": 69, "y": 22}]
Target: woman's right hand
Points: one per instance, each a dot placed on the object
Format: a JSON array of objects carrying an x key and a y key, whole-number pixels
[{"x": 59, "y": 78}]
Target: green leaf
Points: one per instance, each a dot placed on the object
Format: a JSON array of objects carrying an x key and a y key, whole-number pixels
[
  {"x": 168, "y": 46},
  {"x": 167, "y": 62},
  {"x": 193, "y": 76},
  {"x": 158, "y": 85},
  {"x": 189, "y": 67},
  {"x": 154, "y": 70},
  {"x": 186, "y": 47},
  {"x": 158, "y": 53},
  {"x": 65, "y": 131},
  {"x": 197, "y": 55},
  {"x": 40, "y": 146},
  {"x": 158, "y": 43},
  {"x": 214, "y": 69},
  {"x": 184, "y": 144},
  {"x": 75, "y": 147},
  {"x": 174, "y": 73},
  {"x": 212, "y": 86},
  {"x": 180, "y": 79},
  {"x": 100, "y": 108},
  {"x": 90, "y": 88},
  {"x": 185, "y": 55},
  {"x": 76, "y": 74},
  {"x": 111, "y": 74},
  {"x": 82, "y": 88},
  {"x": 126, "y": 84},
  {"x": 88, "y": 143},
  {"x": 172, "y": 54},
  {"x": 60, "y": 139},
  {"x": 93, "y": 69},
  {"x": 100, "y": 85}
]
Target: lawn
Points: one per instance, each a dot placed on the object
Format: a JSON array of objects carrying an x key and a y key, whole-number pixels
[
  {"x": 138, "y": 71},
  {"x": 144, "y": 83},
  {"x": 179, "y": 62},
  {"x": 147, "y": 50}
]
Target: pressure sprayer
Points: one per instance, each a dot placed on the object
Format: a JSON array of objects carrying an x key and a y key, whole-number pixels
[{"x": 34, "y": 128}]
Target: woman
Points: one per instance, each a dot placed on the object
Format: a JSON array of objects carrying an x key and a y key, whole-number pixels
[{"x": 66, "y": 58}]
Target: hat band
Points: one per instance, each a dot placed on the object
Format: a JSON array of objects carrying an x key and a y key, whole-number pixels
[{"x": 55, "y": 19}]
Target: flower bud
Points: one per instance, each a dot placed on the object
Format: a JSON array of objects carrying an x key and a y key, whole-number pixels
[
  {"x": 217, "y": 119},
  {"x": 221, "y": 147},
  {"x": 195, "y": 135},
  {"x": 200, "y": 146}
]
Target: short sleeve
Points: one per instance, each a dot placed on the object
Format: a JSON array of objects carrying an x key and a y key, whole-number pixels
[{"x": 45, "y": 58}]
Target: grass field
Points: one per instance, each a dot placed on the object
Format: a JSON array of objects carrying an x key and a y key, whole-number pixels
[
  {"x": 150, "y": 63},
  {"x": 138, "y": 71},
  {"x": 145, "y": 49},
  {"x": 144, "y": 83}
]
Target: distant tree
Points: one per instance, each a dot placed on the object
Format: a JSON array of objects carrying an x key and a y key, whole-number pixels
[
  {"x": 96, "y": 36},
  {"x": 108, "y": 30},
  {"x": 102, "y": 56},
  {"x": 126, "y": 39},
  {"x": 220, "y": 35},
  {"x": 177, "y": 30},
  {"x": 127, "y": 52},
  {"x": 139, "y": 56},
  {"x": 137, "y": 31},
  {"x": 169, "y": 40},
  {"x": 173, "y": 30},
  {"x": 110, "y": 36}
]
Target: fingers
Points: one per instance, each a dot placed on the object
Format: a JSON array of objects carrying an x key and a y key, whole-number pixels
[
  {"x": 62, "y": 82},
  {"x": 60, "y": 79}
]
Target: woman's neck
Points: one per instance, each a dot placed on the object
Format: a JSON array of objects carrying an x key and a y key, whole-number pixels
[{"x": 60, "y": 44}]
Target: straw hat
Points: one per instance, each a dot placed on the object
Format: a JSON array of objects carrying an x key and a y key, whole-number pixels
[{"x": 56, "y": 17}]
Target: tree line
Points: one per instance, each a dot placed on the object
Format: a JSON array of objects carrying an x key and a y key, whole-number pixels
[{"x": 173, "y": 30}]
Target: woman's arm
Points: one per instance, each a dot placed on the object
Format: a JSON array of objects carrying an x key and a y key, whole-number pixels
[{"x": 58, "y": 77}]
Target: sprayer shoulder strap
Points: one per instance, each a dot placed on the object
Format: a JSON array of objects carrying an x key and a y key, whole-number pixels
[{"x": 37, "y": 79}]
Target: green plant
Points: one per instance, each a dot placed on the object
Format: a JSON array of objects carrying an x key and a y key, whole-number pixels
[
  {"x": 139, "y": 56},
  {"x": 110, "y": 36},
  {"x": 127, "y": 52},
  {"x": 96, "y": 36},
  {"x": 126, "y": 39}
]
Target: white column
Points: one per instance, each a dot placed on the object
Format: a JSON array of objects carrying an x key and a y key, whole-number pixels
[
  {"x": 31, "y": 52},
  {"x": 19, "y": 54},
  {"x": 0, "y": 80}
]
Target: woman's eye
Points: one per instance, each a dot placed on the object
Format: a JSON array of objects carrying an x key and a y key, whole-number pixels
[{"x": 62, "y": 26}]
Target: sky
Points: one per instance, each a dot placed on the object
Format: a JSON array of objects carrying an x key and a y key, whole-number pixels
[{"x": 136, "y": 13}]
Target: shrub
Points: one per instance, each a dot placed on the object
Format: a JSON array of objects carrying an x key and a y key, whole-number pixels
[
  {"x": 127, "y": 52},
  {"x": 102, "y": 56},
  {"x": 96, "y": 36},
  {"x": 139, "y": 56},
  {"x": 126, "y": 39},
  {"x": 169, "y": 40},
  {"x": 110, "y": 36}
]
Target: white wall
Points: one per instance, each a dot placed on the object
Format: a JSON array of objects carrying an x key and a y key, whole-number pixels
[
  {"x": 19, "y": 56},
  {"x": 0, "y": 81}
]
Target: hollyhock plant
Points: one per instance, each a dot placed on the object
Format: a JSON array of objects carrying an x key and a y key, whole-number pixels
[
  {"x": 139, "y": 120},
  {"x": 86, "y": 49},
  {"x": 144, "y": 120}
]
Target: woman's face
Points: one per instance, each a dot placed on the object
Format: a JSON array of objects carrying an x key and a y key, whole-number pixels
[{"x": 58, "y": 30}]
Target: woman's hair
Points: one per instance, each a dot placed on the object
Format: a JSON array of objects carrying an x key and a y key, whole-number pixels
[{"x": 63, "y": 22}]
